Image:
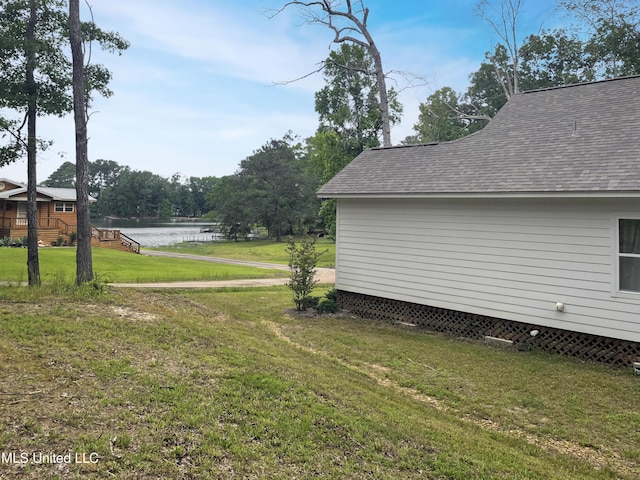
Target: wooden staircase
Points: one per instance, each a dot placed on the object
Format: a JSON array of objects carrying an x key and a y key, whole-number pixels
[{"x": 106, "y": 238}]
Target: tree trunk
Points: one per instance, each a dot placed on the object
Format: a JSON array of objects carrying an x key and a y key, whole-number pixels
[
  {"x": 33, "y": 264},
  {"x": 84, "y": 261},
  {"x": 278, "y": 223},
  {"x": 381, "y": 80},
  {"x": 382, "y": 89}
]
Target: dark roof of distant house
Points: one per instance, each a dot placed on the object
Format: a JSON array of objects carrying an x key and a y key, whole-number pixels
[{"x": 579, "y": 139}]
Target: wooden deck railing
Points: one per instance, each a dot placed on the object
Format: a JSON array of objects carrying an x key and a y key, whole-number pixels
[
  {"x": 129, "y": 243},
  {"x": 103, "y": 234},
  {"x": 107, "y": 235},
  {"x": 21, "y": 224}
]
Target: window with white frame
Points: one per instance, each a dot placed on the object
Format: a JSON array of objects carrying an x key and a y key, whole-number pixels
[
  {"x": 64, "y": 207},
  {"x": 629, "y": 255}
]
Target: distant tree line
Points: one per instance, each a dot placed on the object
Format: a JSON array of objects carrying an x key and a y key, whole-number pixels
[{"x": 123, "y": 192}]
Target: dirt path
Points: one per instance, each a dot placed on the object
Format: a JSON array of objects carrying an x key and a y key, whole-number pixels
[{"x": 323, "y": 275}]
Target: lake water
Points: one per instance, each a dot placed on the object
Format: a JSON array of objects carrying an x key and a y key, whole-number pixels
[{"x": 159, "y": 231}]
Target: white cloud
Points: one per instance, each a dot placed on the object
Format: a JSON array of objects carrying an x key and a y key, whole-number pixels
[{"x": 233, "y": 39}]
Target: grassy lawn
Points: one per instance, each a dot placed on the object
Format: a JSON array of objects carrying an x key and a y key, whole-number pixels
[
  {"x": 227, "y": 384},
  {"x": 58, "y": 265},
  {"x": 255, "y": 250}
]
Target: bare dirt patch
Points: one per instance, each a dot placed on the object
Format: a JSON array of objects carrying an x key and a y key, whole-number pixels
[{"x": 132, "y": 314}]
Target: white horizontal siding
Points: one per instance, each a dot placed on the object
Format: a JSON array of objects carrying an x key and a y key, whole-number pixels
[{"x": 511, "y": 259}]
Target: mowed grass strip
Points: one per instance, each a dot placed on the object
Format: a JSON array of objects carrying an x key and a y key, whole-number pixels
[
  {"x": 58, "y": 265},
  {"x": 255, "y": 250},
  {"x": 227, "y": 384}
]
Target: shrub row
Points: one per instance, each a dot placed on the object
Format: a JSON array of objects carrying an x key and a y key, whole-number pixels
[
  {"x": 13, "y": 242},
  {"x": 22, "y": 241}
]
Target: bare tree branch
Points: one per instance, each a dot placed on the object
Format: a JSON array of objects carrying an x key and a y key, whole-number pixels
[
  {"x": 17, "y": 133},
  {"x": 504, "y": 20},
  {"x": 364, "y": 71},
  {"x": 317, "y": 70},
  {"x": 465, "y": 116},
  {"x": 355, "y": 22},
  {"x": 503, "y": 79},
  {"x": 412, "y": 80},
  {"x": 87, "y": 56}
]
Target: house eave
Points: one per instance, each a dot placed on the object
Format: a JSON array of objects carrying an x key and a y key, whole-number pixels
[
  {"x": 488, "y": 195},
  {"x": 22, "y": 197}
]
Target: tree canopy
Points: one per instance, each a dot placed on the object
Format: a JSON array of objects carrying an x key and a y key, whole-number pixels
[
  {"x": 444, "y": 117},
  {"x": 63, "y": 177},
  {"x": 270, "y": 188},
  {"x": 349, "y": 102}
]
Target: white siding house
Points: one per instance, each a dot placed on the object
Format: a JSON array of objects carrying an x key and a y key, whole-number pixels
[
  {"x": 535, "y": 219},
  {"x": 513, "y": 260}
]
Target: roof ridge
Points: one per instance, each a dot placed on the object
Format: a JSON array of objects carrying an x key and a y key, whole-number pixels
[{"x": 579, "y": 84}]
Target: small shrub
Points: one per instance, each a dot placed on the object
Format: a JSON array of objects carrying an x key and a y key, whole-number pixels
[
  {"x": 60, "y": 241},
  {"x": 332, "y": 295},
  {"x": 303, "y": 259},
  {"x": 59, "y": 283},
  {"x": 326, "y": 305},
  {"x": 96, "y": 288},
  {"x": 19, "y": 242},
  {"x": 311, "y": 302},
  {"x": 73, "y": 238},
  {"x": 6, "y": 242}
]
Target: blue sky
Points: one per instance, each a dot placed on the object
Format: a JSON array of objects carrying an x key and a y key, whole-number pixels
[{"x": 197, "y": 91}]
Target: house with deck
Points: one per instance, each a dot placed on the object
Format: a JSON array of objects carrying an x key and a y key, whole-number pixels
[
  {"x": 56, "y": 211},
  {"x": 527, "y": 231},
  {"x": 56, "y": 217}
]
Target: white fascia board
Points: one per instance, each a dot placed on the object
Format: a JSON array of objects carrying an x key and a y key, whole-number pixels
[{"x": 490, "y": 195}]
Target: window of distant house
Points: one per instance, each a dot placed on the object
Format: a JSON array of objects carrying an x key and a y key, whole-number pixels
[
  {"x": 629, "y": 255},
  {"x": 63, "y": 207}
]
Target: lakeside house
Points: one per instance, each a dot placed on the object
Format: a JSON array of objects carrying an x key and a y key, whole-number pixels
[
  {"x": 529, "y": 226},
  {"x": 56, "y": 211},
  {"x": 57, "y": 219}
]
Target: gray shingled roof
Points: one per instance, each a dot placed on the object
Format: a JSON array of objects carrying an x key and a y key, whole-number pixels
[{"x": 582, "y": 138}]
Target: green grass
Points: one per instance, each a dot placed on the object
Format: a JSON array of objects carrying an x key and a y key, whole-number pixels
[
  {"x": 227, "y": 384},
  {"x": 58, "y": 264},
  {"x": 255, "y": 250}
]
